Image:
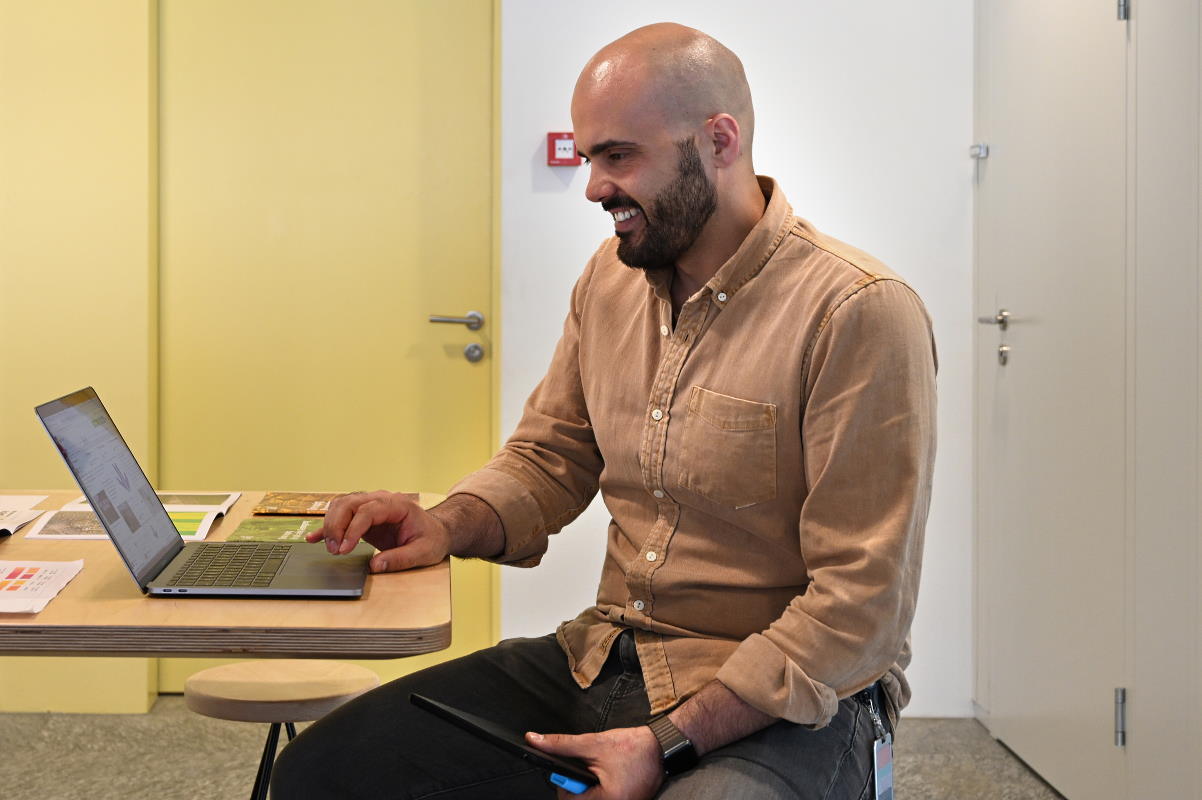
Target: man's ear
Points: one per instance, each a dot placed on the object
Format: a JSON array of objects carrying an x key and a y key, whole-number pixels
[{"x": 725, "y": 139}]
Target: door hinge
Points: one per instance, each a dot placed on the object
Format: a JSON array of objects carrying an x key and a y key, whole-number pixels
[
  {"x": 1124, "y": 10},
  {"x": 1120, "y": 717},
  {"x": 979, "y": 151}
]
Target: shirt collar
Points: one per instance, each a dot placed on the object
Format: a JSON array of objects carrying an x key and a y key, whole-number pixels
[{"x": 753, "y": 253}]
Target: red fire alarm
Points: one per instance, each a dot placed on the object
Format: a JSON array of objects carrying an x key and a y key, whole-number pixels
[{"x": 561, "y": 150}]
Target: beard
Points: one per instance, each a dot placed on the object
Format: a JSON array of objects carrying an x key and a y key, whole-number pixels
[{"x": 677, "y": 215}]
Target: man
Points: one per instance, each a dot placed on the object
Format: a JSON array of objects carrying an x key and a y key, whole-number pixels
[{"x": 755, "y": 402}]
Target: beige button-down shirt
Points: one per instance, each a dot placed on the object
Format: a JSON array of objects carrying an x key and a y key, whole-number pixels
[{"x": 766, "y": 461}]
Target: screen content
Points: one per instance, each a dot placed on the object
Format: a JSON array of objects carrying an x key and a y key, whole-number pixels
[{"x": 109, "y": 475}]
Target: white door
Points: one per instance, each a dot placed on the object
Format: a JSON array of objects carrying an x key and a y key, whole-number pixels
[{"x": 1052, "y": 422}]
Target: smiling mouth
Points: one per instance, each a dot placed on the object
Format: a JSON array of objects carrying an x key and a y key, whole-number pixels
[{"x": 625, "y": 214}]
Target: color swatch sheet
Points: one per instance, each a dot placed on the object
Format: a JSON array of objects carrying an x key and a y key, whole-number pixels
[{"x": 27, "y": 586}]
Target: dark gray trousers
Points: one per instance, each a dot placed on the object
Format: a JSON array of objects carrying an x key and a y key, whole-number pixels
[{"x": 381, "y": 746}]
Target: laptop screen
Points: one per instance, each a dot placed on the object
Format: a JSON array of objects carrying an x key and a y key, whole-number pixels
[{"x": 114, "y": 484}]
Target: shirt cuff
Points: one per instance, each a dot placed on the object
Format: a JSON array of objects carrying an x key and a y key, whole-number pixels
[
  {"x": 521, "y": 518},
  {"x": 764, "y": 677}
]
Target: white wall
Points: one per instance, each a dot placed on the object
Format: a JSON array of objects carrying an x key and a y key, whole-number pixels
[{"x": 864, "y": 115}]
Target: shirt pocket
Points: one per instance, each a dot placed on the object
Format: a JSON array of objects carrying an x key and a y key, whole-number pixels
[{"x": 728, "y": 449}]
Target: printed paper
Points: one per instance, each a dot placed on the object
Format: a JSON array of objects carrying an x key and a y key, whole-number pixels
[{"x": 27, "y": 586}]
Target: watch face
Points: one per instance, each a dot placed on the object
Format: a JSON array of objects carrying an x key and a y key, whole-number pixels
[
  {"x": 680, "y": 758},
  {"x": 676, "y": 748}
]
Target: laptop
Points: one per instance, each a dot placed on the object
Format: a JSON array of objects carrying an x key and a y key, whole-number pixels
[{"x": 157, "y": 557}]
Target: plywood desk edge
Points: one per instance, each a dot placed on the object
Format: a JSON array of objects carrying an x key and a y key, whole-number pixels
[{"x": 201, "y": 627}]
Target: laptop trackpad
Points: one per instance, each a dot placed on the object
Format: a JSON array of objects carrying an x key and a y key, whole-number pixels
[{"x": 308, "y": 562}]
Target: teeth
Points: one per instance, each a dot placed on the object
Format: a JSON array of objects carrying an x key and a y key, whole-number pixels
[{"x": 622, "y": 216}]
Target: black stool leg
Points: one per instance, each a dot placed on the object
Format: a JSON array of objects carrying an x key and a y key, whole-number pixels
[
  {"x": 291, "y": 728},
  {"x": 263, "y": 779}
]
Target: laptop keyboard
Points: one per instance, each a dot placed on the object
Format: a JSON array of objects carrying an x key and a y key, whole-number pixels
[{"x": 232, "y": 564}]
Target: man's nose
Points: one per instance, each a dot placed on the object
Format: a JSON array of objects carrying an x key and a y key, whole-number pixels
[{"x": 599, "y": 187}]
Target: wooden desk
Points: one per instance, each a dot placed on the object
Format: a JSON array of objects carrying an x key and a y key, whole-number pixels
[{"x": 102, "y": 611}]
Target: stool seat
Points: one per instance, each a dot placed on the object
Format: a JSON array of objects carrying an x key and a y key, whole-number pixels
[{"x": 284, "y": 690}]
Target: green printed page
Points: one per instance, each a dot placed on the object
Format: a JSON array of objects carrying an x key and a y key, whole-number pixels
[
  {"x": 275, "y": 529},
  {"x": 190, "y": 523}
]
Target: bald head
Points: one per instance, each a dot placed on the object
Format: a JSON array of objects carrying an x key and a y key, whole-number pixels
[
  {"x": 678, "y": 75},
  {"x": 664, "y": 116}
]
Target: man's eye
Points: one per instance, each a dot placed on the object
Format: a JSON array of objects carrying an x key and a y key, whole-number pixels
[{"x": 617, "y": 156}]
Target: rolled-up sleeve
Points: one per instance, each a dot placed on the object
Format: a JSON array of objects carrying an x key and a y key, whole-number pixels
[
  {"x": 547, "y": 473},
  {"x": 868, "y": 435}
]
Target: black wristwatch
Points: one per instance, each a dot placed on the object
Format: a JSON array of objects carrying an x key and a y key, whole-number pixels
[{"x": 679, "y": 753}]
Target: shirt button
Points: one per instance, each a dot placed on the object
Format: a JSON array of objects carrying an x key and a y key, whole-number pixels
[
  {"x": 721, "y": 297},
  {"x": 657, "y": 415},
  {"x": 658, "y": 493},
  {"x": 663, "y": 330},
  {"x": 651, "y": 556},
  {"x": 639, "y": 605}
]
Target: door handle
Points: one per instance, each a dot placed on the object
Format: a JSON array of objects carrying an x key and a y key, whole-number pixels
[
  {"x": 474, "y": 320},
  {"x": 1001, "y": 319}
]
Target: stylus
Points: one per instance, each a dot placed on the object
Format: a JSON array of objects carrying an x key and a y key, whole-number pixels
[{"x": 570, "y": 784}]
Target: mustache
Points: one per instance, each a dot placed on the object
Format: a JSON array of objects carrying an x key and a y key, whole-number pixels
[{"x": 620, "y": 202}]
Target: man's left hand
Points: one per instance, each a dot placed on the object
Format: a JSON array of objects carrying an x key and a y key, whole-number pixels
[{"x": 626, "y": 760}]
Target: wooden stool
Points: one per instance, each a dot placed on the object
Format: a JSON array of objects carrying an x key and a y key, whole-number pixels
[{"x": 284, "y": 691}]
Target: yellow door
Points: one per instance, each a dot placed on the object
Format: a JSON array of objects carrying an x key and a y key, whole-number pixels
[{"x": 325, "y": 187}]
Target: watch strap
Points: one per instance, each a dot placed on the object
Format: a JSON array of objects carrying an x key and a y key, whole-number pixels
[{"x": 678, "y": 752}]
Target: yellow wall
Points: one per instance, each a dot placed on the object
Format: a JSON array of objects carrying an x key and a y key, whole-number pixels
[
  {"x": 317, "y": 154},
  {"x": 78, "y": 271},
  {"x": 78, "y": 223}
]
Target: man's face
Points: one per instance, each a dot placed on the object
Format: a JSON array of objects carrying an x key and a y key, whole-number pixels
[
  {"x": 643, "y": 169},
  {"x": 672, "y": 221}
]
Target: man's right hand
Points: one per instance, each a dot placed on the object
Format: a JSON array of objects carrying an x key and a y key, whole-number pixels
[{"x": 406, "y": 535}]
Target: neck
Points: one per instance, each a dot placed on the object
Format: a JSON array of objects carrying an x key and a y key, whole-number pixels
[{"x": 738, "y": 212}]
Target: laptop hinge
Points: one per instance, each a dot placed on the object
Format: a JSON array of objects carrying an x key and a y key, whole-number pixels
[{"x": 156, "y": 569}]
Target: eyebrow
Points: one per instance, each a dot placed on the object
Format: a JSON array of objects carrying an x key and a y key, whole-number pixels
[{"x": 608, "y": 144}]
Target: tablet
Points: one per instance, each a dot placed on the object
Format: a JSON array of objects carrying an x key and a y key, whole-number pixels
[{"x": 569, "y": 773}]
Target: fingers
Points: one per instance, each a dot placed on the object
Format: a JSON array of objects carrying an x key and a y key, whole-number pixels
[
  {"x": 375, "y": 510},
  {"x": 560, "y": 744},
  {"x": 351, "y": 516},
  {"x": 418, "y": 553},
  {"x": 406, "y": 536},
  {"x": 338, "y": 515}
]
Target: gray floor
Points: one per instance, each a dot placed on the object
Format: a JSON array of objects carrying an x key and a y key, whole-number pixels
[{"x": 172, "y": 753}]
